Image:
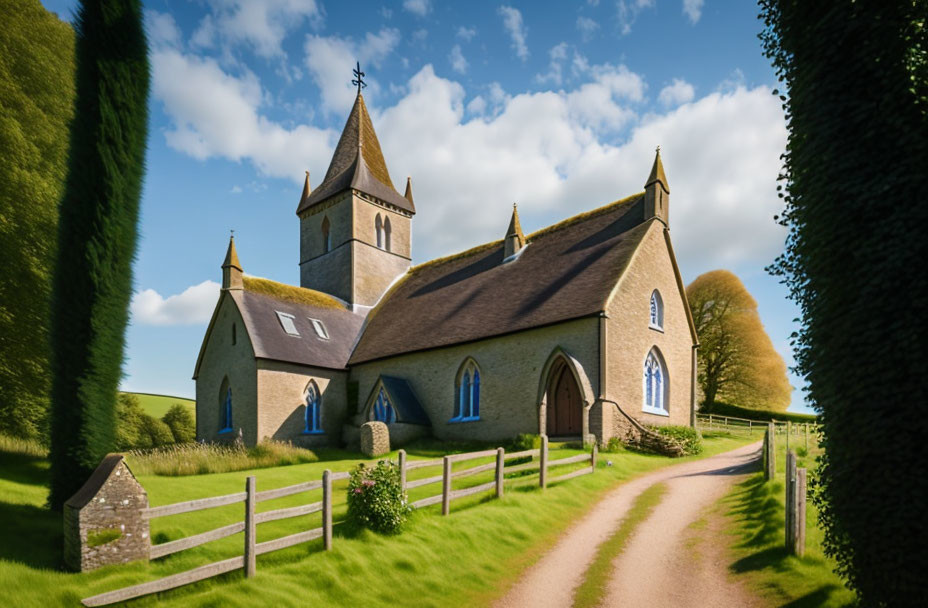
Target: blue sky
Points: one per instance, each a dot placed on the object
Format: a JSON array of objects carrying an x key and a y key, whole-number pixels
[{"x": 556, "y": 106}]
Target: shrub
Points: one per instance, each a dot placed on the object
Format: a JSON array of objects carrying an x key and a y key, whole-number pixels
[
  {"x": 129, "y": 414},
  {"x": 686, "y": 436},
  {"x": 526, "y": 441},
  {"x": 154, "y": 433},
  {"x": 376, "y": 499},
  {"x": 181, "y": 422},
  {"x": 614, "y": 445}
]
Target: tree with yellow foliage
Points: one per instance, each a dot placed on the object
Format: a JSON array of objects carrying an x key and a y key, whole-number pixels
[{"x": 737, "y": 361}]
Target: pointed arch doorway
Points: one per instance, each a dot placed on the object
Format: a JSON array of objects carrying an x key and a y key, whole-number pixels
[{"x": 564, "y": 403}]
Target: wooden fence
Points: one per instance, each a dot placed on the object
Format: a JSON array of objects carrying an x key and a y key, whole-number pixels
[
  {"x": 250, "y": 497},
  {"x": 796, "y": 488},
  {"x": 731, "y": 424}
]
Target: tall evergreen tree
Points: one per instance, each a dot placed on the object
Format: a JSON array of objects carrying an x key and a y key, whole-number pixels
[
  {"x": 36, "y": 104},
  {"x": 97, "y": 237},
  {"x": 856, "y": 182}
]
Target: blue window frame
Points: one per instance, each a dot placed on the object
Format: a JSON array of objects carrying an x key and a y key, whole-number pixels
[
  {"x": 383, "y": 409},
  {"x": 655, "y": 390},
  {"x": 227, "y": 412},
  {"x": 313, "y": 414},
  {"x": 467, "y": 406}
]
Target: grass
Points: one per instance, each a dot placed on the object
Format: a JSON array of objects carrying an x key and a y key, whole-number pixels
[
  {"x": 735, "y": 411},
  {"x": 756, "y": 512},
  {"x": 469, "y": 558},
  {"x": 198, "y": 459},
  {"x": 157, "y": 406},
  {"x": 592, "y": 590}
]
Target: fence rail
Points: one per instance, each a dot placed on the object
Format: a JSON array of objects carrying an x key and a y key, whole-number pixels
[{"x": 250, "y": 497}]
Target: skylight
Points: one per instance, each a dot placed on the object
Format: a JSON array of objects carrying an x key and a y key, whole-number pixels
[
  {"x": 286, "y": 321},
  {"x": 320, "y": 329}
]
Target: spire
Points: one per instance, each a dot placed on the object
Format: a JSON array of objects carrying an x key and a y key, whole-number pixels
[
  {"x": 408, "y": 195},
  {"x": 232, "y": 268},
  {"x": 515, "y": 240},
  {"x": 358, "y": 164},
  {"x": 306, "y": 189},
  {"x": 657, "y": 192},
  {"x": 657, "y": 173}
]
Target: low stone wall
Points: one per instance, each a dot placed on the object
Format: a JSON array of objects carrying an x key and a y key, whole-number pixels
[{"x": 633, "y": 434}]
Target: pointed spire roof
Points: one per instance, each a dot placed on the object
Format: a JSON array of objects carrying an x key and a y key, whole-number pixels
[
  {"x": 515, "y": 228},
  {"x": 358, "y": 164},
  {"x": 408, "y": 195},
  {"x": 306, "y": 189},
  {"x": 657, "y": 172},
  {"x": 232, "y": 256}
]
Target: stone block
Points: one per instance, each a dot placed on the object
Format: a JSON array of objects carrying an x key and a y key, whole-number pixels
[{"x": 375, "y": 439}]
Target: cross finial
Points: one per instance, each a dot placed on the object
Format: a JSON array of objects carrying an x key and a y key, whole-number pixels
[
  {"x": 513, "y": 205},
  {"x": 358, "y": 77},
  {"x": 658, "y": 149},
  {"x": 232, "y": 232}
]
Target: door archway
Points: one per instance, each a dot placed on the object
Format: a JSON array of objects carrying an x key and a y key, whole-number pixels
[{"x": 564, "y": 402}]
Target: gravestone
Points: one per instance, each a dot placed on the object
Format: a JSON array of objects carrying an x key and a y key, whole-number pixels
[
  {"x": 103, "y": 521},
  {"x": 375, "y": 439}
]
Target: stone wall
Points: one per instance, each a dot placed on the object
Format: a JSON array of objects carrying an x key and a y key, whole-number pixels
[
  {"x": 373, "y": 270},
  {"x": 629, "y": 338},
  {"x": 510, "y": 374},
  {"x": 282, "y": 410},
  {"x": 103, "y": 522},
  {"x": 222, "y": 359}
]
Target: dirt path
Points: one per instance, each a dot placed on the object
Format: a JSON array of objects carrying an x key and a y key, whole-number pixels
[{"x": 660, "y": 568}]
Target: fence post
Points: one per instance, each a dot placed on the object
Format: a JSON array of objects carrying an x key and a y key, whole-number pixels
[
  {"x": 446, "y": 485},
  {"x": 327, "y": 509},
  {"x": 750, "y": 428},
  {"x": 250, "y": 564},
  {"x": 791, "y": 501},
  {"x": 789, "y": 431},
  {"x": 770, "y": 452},
  {"x": 500, "y": 463},
  {"x": 807, "y": 436},
  {"x": 543, "y": 468},
  {"x": 800, "y": 512},
  {"x": 402, "y": 457},
  {"x": 710, "y": 422},
  {"x": 593, "y": 453}
]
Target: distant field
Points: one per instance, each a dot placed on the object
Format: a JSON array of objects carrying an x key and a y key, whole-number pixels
[{"x": 158, "y": 405}]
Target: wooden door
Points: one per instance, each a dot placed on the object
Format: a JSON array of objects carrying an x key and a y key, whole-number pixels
[{"x": 564, "y": 405}]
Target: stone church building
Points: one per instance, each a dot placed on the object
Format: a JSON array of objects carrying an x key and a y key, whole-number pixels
[{"x": 579, "y": 329}]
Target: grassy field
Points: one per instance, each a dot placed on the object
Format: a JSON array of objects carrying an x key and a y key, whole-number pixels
[
  {"x": 468, "y": 558},
  {"x": 158, "y": 405},
  {"x": 757, "y": 517}
]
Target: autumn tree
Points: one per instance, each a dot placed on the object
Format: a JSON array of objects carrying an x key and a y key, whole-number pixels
[
  {"x": 36, "y": 105},
  {"x": 737, "y": 361}
]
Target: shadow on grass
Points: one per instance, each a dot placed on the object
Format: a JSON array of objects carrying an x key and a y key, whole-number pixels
[
  {"x": 758, "y": 503},
  {"x": 814, "y": 598},
  {"x": 24, "y": 469},
  {"x": 31, "y": 535}
]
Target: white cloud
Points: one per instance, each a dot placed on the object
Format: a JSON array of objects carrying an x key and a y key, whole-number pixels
[
  {"x": 466, "y": 33},
  {"x": 417, "y": 7},
  {"x": 512, "y": 21},
  {"x": 587, "y": 27},
  {"x": 329, "y": 58},
  {"x": 236, "y": 189},
  {"x": 457, "y": 59},
  {"x": 693, "y": 9},
  {"x": 628, "y": 10},
  {"x": 162, "y": 29},
  {"x": 261, "y": 24},
  {"x": 194, "y": 305},
  {"x": 557, "y": 55},
  {"x": 679, "y": 91}
]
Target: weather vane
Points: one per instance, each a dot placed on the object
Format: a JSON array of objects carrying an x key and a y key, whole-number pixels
[{"x": 358, "y": 77}]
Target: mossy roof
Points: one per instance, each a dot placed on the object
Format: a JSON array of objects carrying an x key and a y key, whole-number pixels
[
  {"x": 290, "y": 293},
  {"x": 567, "y": 271}
]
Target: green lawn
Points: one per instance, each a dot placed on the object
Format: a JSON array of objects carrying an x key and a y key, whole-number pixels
[
  {"x": 468, "y": 558},
  {"x": 158, "y": 405},
  {"x": 756, "y": 511}
]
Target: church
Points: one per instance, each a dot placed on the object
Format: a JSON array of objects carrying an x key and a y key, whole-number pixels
[{"x": 580, "y": 330}]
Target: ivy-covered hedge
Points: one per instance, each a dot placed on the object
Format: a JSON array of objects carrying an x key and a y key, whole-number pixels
[
  {"x": 687, "y": 437},
  {"x": 855, "y": 185}
]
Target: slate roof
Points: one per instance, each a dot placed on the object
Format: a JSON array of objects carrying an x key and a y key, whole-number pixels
[
  {"x": 96, "y": 480},
  {"x": 270, "y": 341},
  {"x": 566, "y": 271},
  {"x": 404, "y": 401},
  {"x": 357, "y": 163}
]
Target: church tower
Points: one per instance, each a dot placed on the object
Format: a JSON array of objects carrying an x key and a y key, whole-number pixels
[
  {"x": 355, "y": 228},
  {"x": 657, "y": 193}
]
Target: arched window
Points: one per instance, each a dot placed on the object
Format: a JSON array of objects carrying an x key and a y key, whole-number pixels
[
  {"x": 225, "y": 411},
  {"x": 313, "y": 415},
  {"x": 655, "y": 384},
  {"x": 378, "y": 228},
  {"x": 326, "y": 236},
  {"x": 467, "y": 393},
  {"x": 383, "y": 409},
  {"x": 657, "y": 310},
  {"x": 386, "y": 234}
]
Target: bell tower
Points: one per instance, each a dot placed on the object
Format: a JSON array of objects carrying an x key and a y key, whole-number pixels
[{"x": 355, "y": 228}]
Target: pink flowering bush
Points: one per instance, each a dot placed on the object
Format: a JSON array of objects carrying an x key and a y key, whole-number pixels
[{"x": 376, "y": 499}]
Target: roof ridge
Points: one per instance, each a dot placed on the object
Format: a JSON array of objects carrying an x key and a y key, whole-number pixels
[{"x": 289, "y": 293}]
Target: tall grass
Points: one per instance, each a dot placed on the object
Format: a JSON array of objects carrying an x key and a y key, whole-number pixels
[
  {"x": 24, "y": 447},
  {"x": 202, "y": 458}
]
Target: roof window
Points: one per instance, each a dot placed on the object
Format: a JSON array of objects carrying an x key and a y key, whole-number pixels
[
  {"x": 320, "y": 328},
  {"x": 286, "y": 321}
]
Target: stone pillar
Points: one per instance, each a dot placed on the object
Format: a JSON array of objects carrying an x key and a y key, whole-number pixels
[{"x": 375, "y": 439}]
